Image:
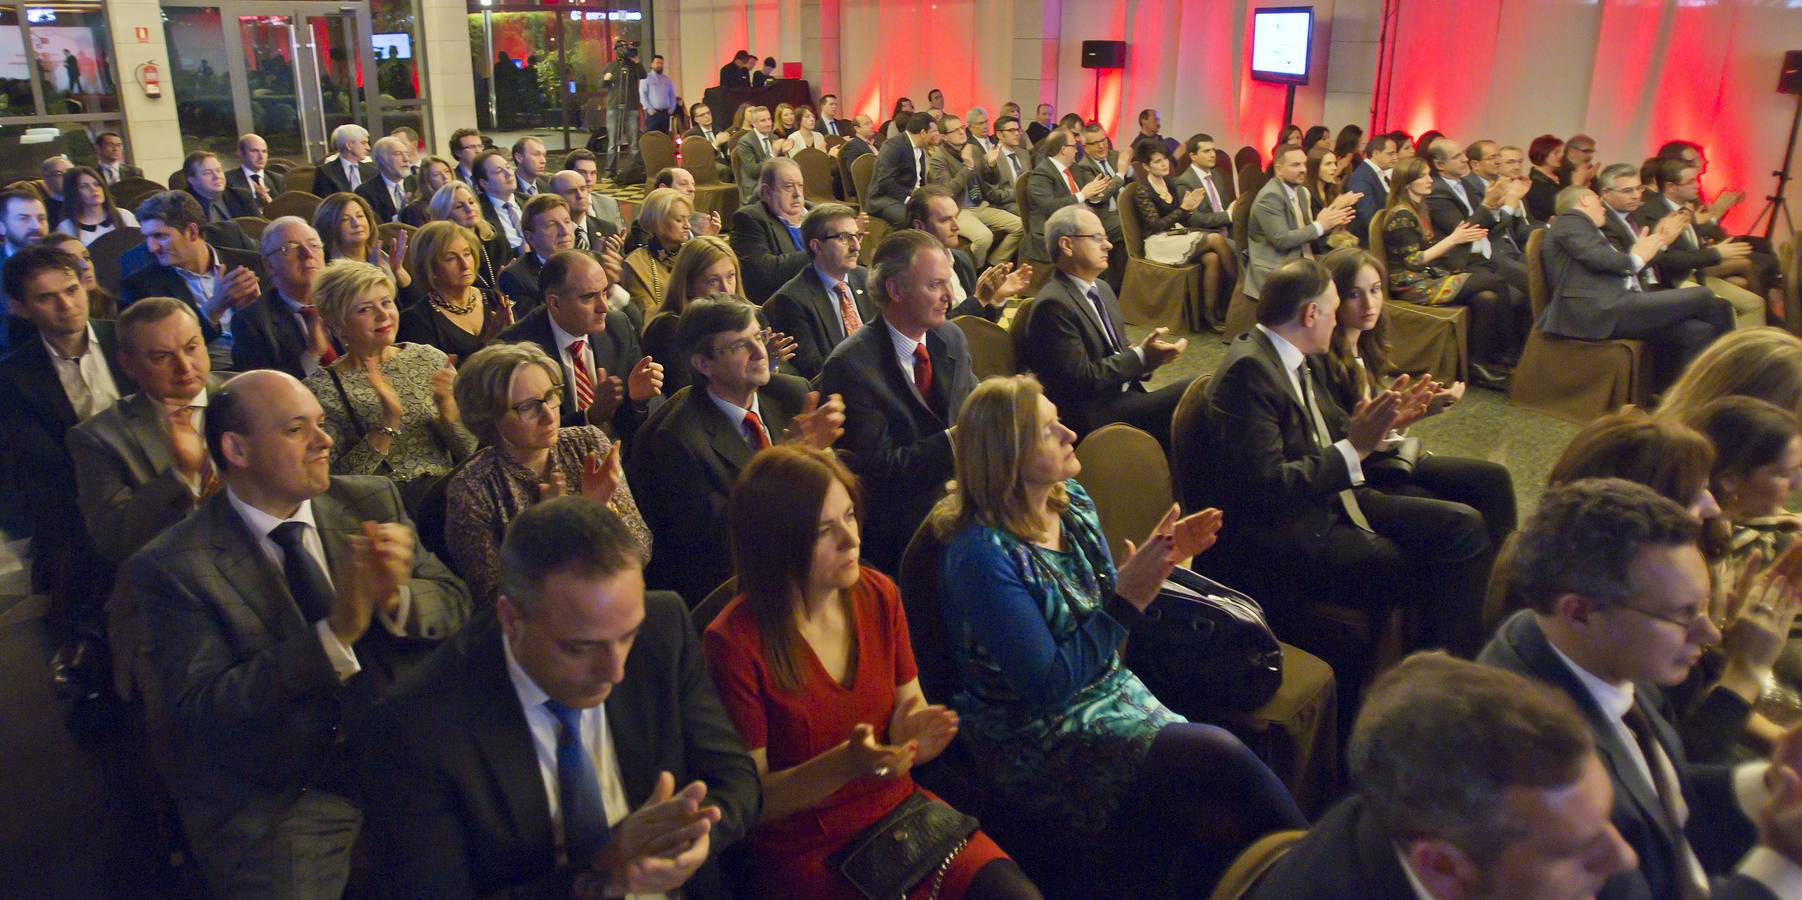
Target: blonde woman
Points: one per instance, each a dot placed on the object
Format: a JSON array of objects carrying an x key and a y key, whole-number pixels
[
  {"x": 456, "y": 203},
  {"x": 665, "y": 214},
  {"x": 452, "y": 311},
  {"x": 1752, "y": 362},
  {"x": 706, "y": 267},
  {"x": 388, "y": 405},
  {"x": 509, "y": 395},
  {"x": 347, "y": 225},
  {"x": 434, "y": 173}
]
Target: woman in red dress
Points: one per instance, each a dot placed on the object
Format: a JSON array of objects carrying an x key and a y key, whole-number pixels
[{"x": 813, "y": 664}]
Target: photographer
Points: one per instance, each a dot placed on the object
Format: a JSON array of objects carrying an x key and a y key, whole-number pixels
[{"x": 620, "y": 80}]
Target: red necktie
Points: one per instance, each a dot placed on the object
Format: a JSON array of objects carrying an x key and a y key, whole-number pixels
[
  {"x": 578, "y": 361},
  {"x": 1071, "y": 180},
  {"x": 310, "y": 313},
  {"x": 754, "y": 426},
  {"x": 923, "y": 371},
  {"x": 847, "y": 310}
]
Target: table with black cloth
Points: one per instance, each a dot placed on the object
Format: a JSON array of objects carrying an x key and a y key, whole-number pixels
[{"x": 725, "y": 101}]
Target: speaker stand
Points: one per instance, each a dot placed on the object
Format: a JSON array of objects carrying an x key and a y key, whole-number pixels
[
  {"x": 1775, "y": 205},
  {"x": 1289, "y": 106},
  {"x": 1097, "y": 116}
]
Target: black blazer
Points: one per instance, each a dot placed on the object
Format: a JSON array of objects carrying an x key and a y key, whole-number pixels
[
  {"x": 1446, "y": 212},
  {"x": 237, "y": 201},
  {"x": 1542, "y": 195},
  {"x": 682, "y": 467},
  {"x": 1259, "y": 462},
  {"x": 615, "y": 349},
  {"x": 375, "y": 190},
  {"x": 1680, "y": 260},
  {"x": 965, "y": 269},
  {"x": 329, "y": 178},
  {"x": 896, "y": 170},
  {"x": 1509, "y": 233},
  {"x": 804, "y": 311},
  {"x": 158, "y": 280},
  {"x": 1717, "y": 830},
  {"x": 272, "y": 182},
  {"x": 765, "y": 251},
  {"x": 1346, "y": 856},
  {"x": 36, "y": 418},
  {"x": 266, "y": 336},
  {"x": 1066, "y": 347},
  {"x": 1036, "y": 131},
  {"x": 519, "y": 281},
  {"x": 1046, "y": 192},
  {"x": 853, "y": 148},
  {"x": 896, "y": 443},
  {"x": 453, "y": 799}
]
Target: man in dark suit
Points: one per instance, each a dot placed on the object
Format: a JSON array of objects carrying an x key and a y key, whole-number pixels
[
  {"x": 1695, "y": 254},
  {"x": 700, "y": 117},
  {"x": 387, "y": 193},
  {"x": 512, "y": 766},
  {"x": 737, "y": 73},
  {"x": 1452, "y": 203},
  {"x": 548, "y": 231},
  {"x": 282, "y": 330},
  {"x": 863, "y": 132},
  {"x": 109, "y": 158},
  {"x": 1371, "y": 181},
  {"x": 1598, "y": 292},
  {"x": 252, "y": 176},
  {"x": 1051, "y": 186},
  {"x": 1076, "y": 339},
  {"x": 465, "y": 145},
  {"x": 502, "y": 205},
  {"x": 262, "y": 610},
  {"x": 755, "y": 147},
  {"x": 216, "y": 280},
  {"x": 1203, "y": 172},
  {"x": 1284, "y": 225},
  {"x": 65, "y": 374},
  {"x": 826, "y": 302},
  {"x": 1097, "y": 162},
  {"x": 1040, "y": 125},
  {"x": 1509, "y": 233},
  {"x": 591, "y": 230},
  {"x": 688, "y": 454},
  {"x": 1676, "y": 265},
  {"x": 207, "y": 185},
  {"x": 1285, "y": 464},
  {"x": 766, "y": 233},
  {"x": 529, "y": 166},
  {"x": 900, "y": 167},
  {"x": 576, "y": 328},
  {"x": 933, "y": 210},
  {"x": 1619, "y": 597},
  {"x": 1471, "y": 782},
  {"x": 347, "y": 169},
  {"x": 898, "y": 414}
]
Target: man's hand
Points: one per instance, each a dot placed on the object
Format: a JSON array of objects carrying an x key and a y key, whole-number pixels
[
  {"x": 1732, "y": 248},
  {"x": 863, "y": 223},
  {"x": 969, "y": 156},
  {"x": 613, "y": 262},
  {"x": 234, "y": 291},
  {"x": 816, "y": 425},
  {"x": 1096, "y": 186},
  {"x": 185, "y": 445},
  {"x": 994, "y": 154},
  {"x": 1496, "y": 195},
  {"x": 712, "y": 225},
  {"x": 645, "y": 381},
  {"x": 1517, "y": 191},
  {"x": 657, "y": 848},
  {"x": 1001, "y": 281},
  {"x": 609, "y": 392},
  {"x": 1416, "y": 399},
  {"x": 1648, "y": 243},
  {"x": 1347, "y": 200},
  {"x": 1373, "y": 420},
  {"x": 381, "y": 561},
  {"x": 779, "y": 346},
  {"x": 1159, "y": 351}
]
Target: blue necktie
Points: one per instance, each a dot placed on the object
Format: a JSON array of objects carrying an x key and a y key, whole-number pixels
[{"x": 578, "y": 788}]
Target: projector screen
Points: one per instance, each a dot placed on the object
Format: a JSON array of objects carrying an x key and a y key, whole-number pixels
[{"x": 1280, "y": 38}]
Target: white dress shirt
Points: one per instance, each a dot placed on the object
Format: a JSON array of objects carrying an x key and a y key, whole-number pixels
[
  {"x": 597, "y": 739},
  {"x": 197, "y": 422},
  {"x": 510, "y": 224},
  {"x": 1293, "y": 358},
  {"x": 86, "y": 379}
]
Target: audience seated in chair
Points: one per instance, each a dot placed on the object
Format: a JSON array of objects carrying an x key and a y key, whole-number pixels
[
  {"x": 282, "y": 329},
  {"x": 591, "y": 230},
  {"x": 1037, "y": 612},
  {"x": 348, "y": 226},
  {"x": 509, "y": 396},
  {"x": 1471, "y": 782},
  {"x": 1285, "y": 462},
  {"x": 828, "y": 301},
  {"x": 900, "y": 168},
  {"x": 1283, "y": 227},
  {"x": 934, "y": 211},
  {"x": 1165, "y": 206},
  {"x": 1076, "y": 339},
  {"x": 600, "y": 205},
  {"x": 1459, "y": 195},
  {"x": 274, "y": 614},
  {"x": 452, "y": 310},
  {"x": 1370, "y": 181},
  {"x": 109, "y": 158},
  {"x": 529, "y": 166},
  {"x": 985, "y": 214},
  {"x": 216, "y": 281},
  {"x": 207, "y": 185},
  {"x": 1099, "y": 162},
  {"x": 1051, "y": 186},
  {"x": 456, "y": 203},
  {"x": 666, "y": 216},
  {"x": 835, "y": 742},
  {"x": 253, "y": 175},
  {"x": 1610, "y": 569},
  {"x": 468, "y": 785},
  {"x": 502, "y": 203},
  {"x": 754, "y": 150},
  {"x": 766, "y": 233},
  {"x": 387, "y": 194},
  {"x": 549, "y": 231},
  {"x": 688, "y": 455},
  {"x": 88, "y": 210},
  {"x": 705, "y": 266},
  {"x": 347, "y": 169}
]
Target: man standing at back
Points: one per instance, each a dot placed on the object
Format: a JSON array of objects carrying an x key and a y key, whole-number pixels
[{"x": 620, "y": 80}]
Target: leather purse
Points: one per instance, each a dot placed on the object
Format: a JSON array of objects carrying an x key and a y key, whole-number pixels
[
  {"x": 917, "y": 839},
  {"x": 1204, "y": 648},
  {"x": 1396, "y": 463}
]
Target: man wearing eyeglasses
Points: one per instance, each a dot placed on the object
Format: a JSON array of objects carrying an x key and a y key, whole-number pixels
[
  {"x": 825, "y": 302},
  {"x": 1099, "y": 162},
  {"x": 1619, "y": 609},
  {"x": 281, "y": 329}
]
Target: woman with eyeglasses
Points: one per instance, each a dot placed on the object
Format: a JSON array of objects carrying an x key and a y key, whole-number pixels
[
  {"x": 509, "y": 395},
  {"x": 388, "y": 406}
]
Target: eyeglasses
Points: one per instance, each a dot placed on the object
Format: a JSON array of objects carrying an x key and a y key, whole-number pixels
[
  {"x": 1100, "y": 236},
  {"x": 293, "y": 248},
  {"x": 1688, "y": 622},
  {"x": 536, "y": 407},
  {"x": 853, "y": 238},
  {"x": 1009, "y": 129},
  {"x": 742, "y": 345}
]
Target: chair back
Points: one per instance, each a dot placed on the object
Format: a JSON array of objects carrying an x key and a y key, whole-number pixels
[
  {"x": 700, "y": 160},
  {"x": 714, "y": 603},
  {"x": 1016, "y": 331},
  {"x": 292, "y": 203},
  {"x": 178, "y": 181},
  {"x": 1253, "y": 863},
  {"x": 845, "y": 181},
  {"x": 279, "y": 165},
  {"x": 862, "y": 170},
  {"x": 1251, "y": 180},
  {"x": 1538, "y": 291},
  {"x": 1187, "y": 438},
  {"x": 835, "y": 140},
  {"x": 659, "y": 339},
  {"x": 1130, "y": 225},
  {"x": 991, "y": 347},
  {"x": 658, "y": 152},
  {"x": 107, "y": 250},
  {"x": 252, "y": 226},
  {"x": 1791, "y": 268},
  {"x": 129, "y": 192},
  {"x": 1127, "y": 476},
  {"x": 1379, "y": 243},
  {"x": 429, "y": 518},
  {"x": 816, "y": 173},
  {"x": 1241, "y": 213},
  {"x": 392, "y": 230},
  {"x": 1248, "y": 156},
  {"x": 1224, "y": 163},
  {"x": 300, "y": 178},
  {"x": 921, "y": 566}
]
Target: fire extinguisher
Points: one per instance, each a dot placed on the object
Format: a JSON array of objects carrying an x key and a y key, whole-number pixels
[{"x": 150, "y": 79}]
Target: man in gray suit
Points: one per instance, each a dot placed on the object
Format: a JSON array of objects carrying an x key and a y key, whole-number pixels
[
  {"x": 258, "y": 612},
  {"x": 1283, "y": 226},
  {"x": 754, "y": 149},
  {"x": 1598, "y": 294}
]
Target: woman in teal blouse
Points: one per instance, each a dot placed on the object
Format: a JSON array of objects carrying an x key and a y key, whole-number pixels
[{"x": 1036, "y": 612}]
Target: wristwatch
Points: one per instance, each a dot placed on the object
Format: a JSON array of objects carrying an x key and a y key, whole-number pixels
[{"x": 391, "y": 432}]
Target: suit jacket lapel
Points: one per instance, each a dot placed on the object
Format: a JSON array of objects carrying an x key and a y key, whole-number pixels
[
  {"x": 826, "y": 307},
  {"x": 1275, "y": 360},
  {"x": 336, "y": 524},
  {"x": 45, "y": 390},
  {"x": 726, "y": 439},
  {"x": 1085, "y": 309},
  {"x": 109, "y": 346},
  {"x": 1110, "y": 307},
  {"x": 145, "y": 431},
  {"x": 258, "y": 580},
  {"x": 506, "y": 746},
  {"x": 944, "y": 373}
]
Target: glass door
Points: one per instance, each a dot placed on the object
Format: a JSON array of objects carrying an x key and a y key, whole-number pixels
[{"x": 293, "y": 72}]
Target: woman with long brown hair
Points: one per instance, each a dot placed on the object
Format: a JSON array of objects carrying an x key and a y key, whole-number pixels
[{"x": 347, "y": 225}]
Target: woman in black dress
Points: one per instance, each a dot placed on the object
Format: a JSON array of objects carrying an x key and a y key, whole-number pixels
[
  {"x": 1162, "y": 207},
  {"x": 452, "y": 313}
]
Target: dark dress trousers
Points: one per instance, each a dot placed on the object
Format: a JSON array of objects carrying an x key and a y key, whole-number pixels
[
  {"x": 1093, "y": 379},
  {"x": 803, "y": 310}
]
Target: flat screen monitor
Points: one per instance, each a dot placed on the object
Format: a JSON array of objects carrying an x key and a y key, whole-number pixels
[
  {"x": 395, "y": 45},
  {"x": 1280, "y": 41}
]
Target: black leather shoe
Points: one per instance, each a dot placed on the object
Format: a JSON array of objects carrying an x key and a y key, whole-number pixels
[{"x": 79, "y": 668}]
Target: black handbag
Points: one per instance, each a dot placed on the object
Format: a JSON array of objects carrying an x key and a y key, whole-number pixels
[
  {"x": 1395, "y": 464},
  {"x": 918, "y": 838},
  {"x": 1204, "y": 648}
]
